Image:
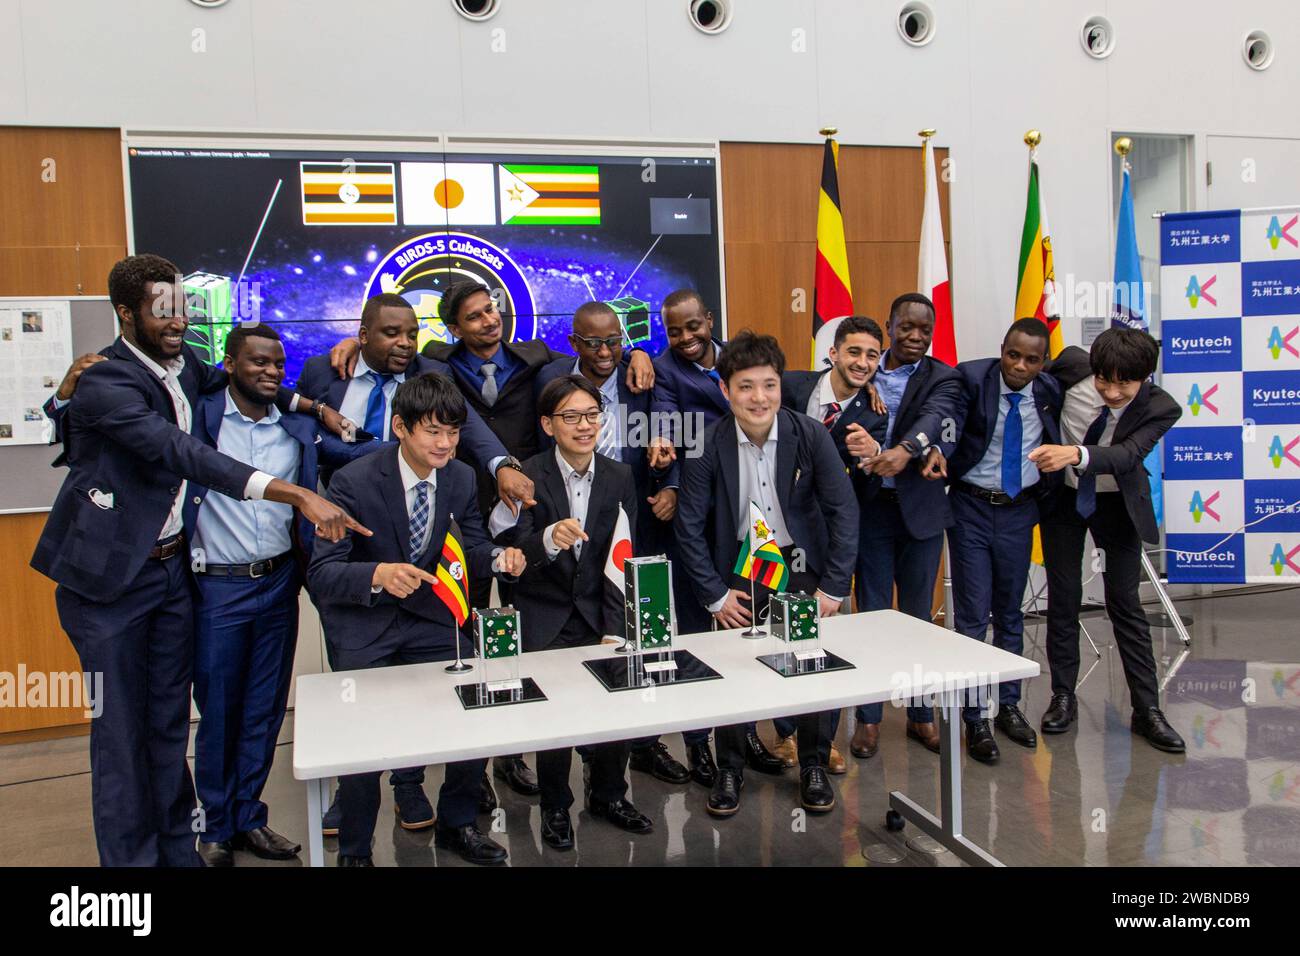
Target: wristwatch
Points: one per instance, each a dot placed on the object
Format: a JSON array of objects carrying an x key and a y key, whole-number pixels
[
  {"x": 510, "y": 461},
  {"x": 319, "y": 409}
]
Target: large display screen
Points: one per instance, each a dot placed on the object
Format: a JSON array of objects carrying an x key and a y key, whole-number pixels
[{"x": 301, "y": 238}]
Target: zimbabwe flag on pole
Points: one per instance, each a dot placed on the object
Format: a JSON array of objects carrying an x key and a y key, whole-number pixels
[
  {"x": 832, "y": 295},
  {"x": 1036, "y": 285},
  {"x": 452, "y": 586},
  {"x": 760, "y": 558}
]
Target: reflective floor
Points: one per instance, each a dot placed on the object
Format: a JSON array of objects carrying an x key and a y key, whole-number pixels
[{"x": 1096, "y": 796}]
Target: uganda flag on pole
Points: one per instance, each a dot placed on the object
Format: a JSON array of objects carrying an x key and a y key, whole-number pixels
[
  {"x": 832, "y": 294},
  {"x": 452, "y": 586},
  {"x": 1036, "y": 286},
  {"x": 760, "y": 558}
]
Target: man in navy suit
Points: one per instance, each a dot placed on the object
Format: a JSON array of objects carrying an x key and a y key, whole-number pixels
[
  {"x": 902, "y": 526},
  {"x": 113, "y": 543},
  {"x": 842, "y": 399},
  {"x": 375, "y": 602},
  {"x": 597, "y": 339},
  {"x": 248, "y": 559},
  {"x": 1012, "y": 408},
  {"x": 787, "y": 465}
]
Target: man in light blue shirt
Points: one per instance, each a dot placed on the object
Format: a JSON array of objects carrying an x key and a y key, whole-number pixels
[{"x": 247, "y": 561}]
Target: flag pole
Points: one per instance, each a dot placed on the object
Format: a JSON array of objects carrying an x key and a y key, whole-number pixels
[
  {"x": 754, "y": 630},
  {"x": 460, "y": 666}
]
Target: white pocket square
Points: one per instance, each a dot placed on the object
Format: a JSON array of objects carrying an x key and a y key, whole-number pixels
[{"x": 101, "y": 500}]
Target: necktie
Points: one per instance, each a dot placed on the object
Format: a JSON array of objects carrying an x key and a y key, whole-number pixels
[
  {"x": 1012, "y": 439},
  {"x": 832, "y": 415},
  {"x": 419, "y": 520},
  {"x": 607, "y": 440},
  {"x": 489, "y": 384},
  {"x": 713, "y": 374},
  {"x": 377, "y": 404},
  {"x": 1086, "y": 502}
]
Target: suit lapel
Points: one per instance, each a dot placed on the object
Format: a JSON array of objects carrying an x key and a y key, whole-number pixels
[
  {"x": 915, "y": 383},
  {"x": 394, "y": 496},
  {"x": 441, "y": 517},
  {"x": 338, "y": 387},
  {"x": 787, "y": 453},
  {"x": 852, "y": 411},
  {"x": 1132, "y": 415},
  {"x": 1045, "y": 417},
  {"x": 600, "y": 512},
  {"x": 552, "y": 487},
  {"x": 992, "y": 400},
  {"x": 213, "y": 412},
  {"x": 728, "y": 463}
]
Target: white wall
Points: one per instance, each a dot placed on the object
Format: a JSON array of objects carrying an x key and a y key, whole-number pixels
[{"x": 637, "y": 68}]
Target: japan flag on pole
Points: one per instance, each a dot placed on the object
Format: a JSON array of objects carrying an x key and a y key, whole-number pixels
[
  {"x": 932, "y": 268},
  {"x": 620, "y": 549}
]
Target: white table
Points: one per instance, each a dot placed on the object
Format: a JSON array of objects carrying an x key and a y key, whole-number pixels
[{"x": 356, "y": 721}]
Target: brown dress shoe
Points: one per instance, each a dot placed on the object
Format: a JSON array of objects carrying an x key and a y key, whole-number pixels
[
  {"x": 836, "y": 764},
  {"x": 866, "y": 741},
  {"x": 927, "y": 734},
  {"x": 787, "y": 750}
]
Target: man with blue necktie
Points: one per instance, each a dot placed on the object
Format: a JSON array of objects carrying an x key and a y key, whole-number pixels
[{"x": 1013, "y": 407}]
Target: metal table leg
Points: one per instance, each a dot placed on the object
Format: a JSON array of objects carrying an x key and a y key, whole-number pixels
[
  {"x": 317, "y": 791},
  {"x": 947, "y": 831}
]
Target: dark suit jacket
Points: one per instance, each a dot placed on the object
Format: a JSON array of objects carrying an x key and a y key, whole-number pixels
[
  {"x": 933, "y": 406},
  {"x": 982, "y": 379},
  {"x": 550, "y": 590},
  {"x": 682, "y": 388},
  {"x": 319, "y": 382},
  {"x": 636, "y": 415},
  {"x": 797, "y": 390},
  {"x": 120, "y": 438},
  {"x": 208, "y": 417},
  {"x": 513, "y": 419},
  {"x": 1152, "y": 412},
  {"x": 815, "y": 495},
  {"x": 370, "y": 489}
]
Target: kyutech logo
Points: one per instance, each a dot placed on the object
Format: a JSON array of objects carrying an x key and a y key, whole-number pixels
[
  {"x": 1279, "y": 343},
  {"x": 1277, "y": 451},
  {"x": 1203, "y": 506},
  {"x": 1284, "y": 559},
  {"x": 1277, "y": 231},
  {"x": 1197, "y": 290},
  {"x": 421, "y": 269},
  {"x": 1196, "y": 399}
]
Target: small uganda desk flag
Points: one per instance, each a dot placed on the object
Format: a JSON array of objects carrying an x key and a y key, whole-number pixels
[
  {"x": 760, "y": 558},
  {"x": 452, "y": 586}
]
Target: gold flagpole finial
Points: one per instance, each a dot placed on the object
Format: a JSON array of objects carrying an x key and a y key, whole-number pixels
[
  {"x": 1123, "y": 145},
  {"x": 1033, "y": 138},
  {"x": 829, "y": 131},
  {"x": 926, "y": 133}
]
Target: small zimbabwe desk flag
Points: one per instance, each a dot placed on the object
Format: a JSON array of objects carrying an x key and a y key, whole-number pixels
[
  {"x": 760, "y": 558},
  {"x": 452, "y": 586},
  {"x": 832, "y": 295}
]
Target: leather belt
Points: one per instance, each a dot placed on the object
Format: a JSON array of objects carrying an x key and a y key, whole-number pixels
[
  {"x": 258, "y": 569},
  {"x": 997, "y": 497},
  {"x": 167, "y": 548}
]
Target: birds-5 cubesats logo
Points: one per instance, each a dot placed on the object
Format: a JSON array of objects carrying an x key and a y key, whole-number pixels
[
  {"x": 1279, "y": 342},
  {"x": 1201, "y": 506},
  {"x": 1277, "y": 451},
  {"x": 1281, "y": 559},
  {"x": 1198, "y": 290},
  {"x": 1197, "y": 399},
  {"x": 1277, "y": 231}
]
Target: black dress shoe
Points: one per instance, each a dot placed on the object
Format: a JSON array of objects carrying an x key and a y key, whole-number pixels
[
  {"x": 355, "y": 861},
  {"x": 703, "y": 770},
  {"x": 266, "y": 843},
  {"x": 414, "y": 811},
  {"x": 724, "y": 798},
  {"x": 815, "y": 790},
  {"x": 758, "y": 757},
  {"x": 659, "y": 763},
  {"x": 1062, "y": 711},
  {"x": 487, "y": 797},
  {"x": 217, "y": 854},
  {"x": 1152, "y": 725},
  {"x": 979, "y": 741},
  {"x": 473, "y": 845},
  {"x": 333, "y": 818},
  {"x": 557, "y": 829},
  {"x": 621, "y": 813},
  {"x": 1012, "y": 723},
  {"x": 517, "y": 774}
]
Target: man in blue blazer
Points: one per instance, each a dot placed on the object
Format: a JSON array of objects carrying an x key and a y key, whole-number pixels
[
  {"x": 787, "y": 465},
  {"x": 375, "y": 599},
  {"x": 249, "y": 559},
  {"x": 902, "y": 526},
  {"x": 114, "y": 544},
  {"x": 1013, "y": 407}
]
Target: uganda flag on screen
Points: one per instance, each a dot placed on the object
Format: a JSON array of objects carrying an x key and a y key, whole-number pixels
[
  {"x": 348, "y": 194},
  {"x": 545, "y": 195}
]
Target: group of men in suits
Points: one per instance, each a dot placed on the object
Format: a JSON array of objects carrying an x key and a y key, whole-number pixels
[{"x": 525, "y": 457}]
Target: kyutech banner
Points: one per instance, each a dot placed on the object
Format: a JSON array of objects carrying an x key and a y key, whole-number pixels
[{"x": 1230, "y": 333}]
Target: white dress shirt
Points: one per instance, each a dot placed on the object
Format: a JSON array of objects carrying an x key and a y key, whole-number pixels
[
  {"x": 987, "y": 473},
  {"x": 357, "y": 396},
  {"x": 822, "y": 397},
  {"x": 577, "y": 486},
  {"x": 1082, "y": 406},
  {"x": 409, "y": 480}
]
